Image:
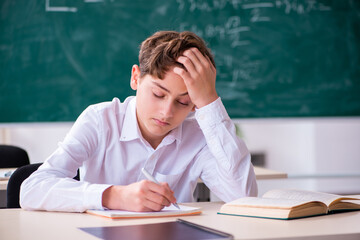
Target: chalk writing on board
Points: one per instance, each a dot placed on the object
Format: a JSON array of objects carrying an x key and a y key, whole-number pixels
[
  {"x": 230, "y": 30},
  {"x": 93, "y": 1},
  {"x": 289, "y": 6},
  {"x": 51, "y": 8},
  {"x": 274, "y": 58},
  {"x": 234, "y": 30},
  {"x": 301, "y": 8}
]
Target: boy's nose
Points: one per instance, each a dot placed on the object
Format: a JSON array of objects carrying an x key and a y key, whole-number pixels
[{"x": 167, "y": 109}]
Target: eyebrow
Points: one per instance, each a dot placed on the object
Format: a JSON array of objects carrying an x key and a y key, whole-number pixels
[{"x": 167, "y": 90}]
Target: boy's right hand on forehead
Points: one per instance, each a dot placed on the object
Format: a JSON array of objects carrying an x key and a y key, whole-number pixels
[
  {"x": 199, "y": 77},
  {"x": 143, "y": 196}
]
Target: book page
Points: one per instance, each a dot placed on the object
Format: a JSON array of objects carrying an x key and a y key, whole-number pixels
[
  {"x": 267, "y": 202},
  {"x": 304, "y": 195}
]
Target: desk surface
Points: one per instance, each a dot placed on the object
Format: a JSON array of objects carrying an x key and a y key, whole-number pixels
[
  {"x": 21, "y": 224},
  {"x": 4, "y": 181},
  {"x": 263, "y": 173},
  {"x": 3, "y": 184}
]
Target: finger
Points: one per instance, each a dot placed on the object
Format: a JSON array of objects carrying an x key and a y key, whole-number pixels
[
  {"x": 158, "y": 194},
  {"x": 157, "y": 199},
  {"x": 192, "y": 54},
  {"x": 201, "y": 61},
  {"x": 185, "y": 75},
  {"x": 164, "y": 190},
  {"x": 147, "y": 206},
  {"x": 201, "y": 58},
  {"x": 204, "y": 60},
  {"x": 148, "y": 197},
  {"x": 152, "y": 206},
  {"x": 188, "y": 63},
  {"x": 166, "y": 185},
  {"x": 189, "y": 76},
  {"x": 212, "y": 67}
]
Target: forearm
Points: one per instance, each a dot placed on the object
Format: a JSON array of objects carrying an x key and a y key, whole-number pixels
[
  {"x": 230, "y": 173},
  {"x": 220, "y": 135},
  {"x": 46, "y": 190},
  {"x": 228, "y": 185},
  {"x": 53, "y": 188}
]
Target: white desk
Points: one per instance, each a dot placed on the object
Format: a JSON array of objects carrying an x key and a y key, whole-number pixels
[
  {"x": 263, "y": 173},
  {"x": 3, "y": 184},
  {"x": 20, "y": 224}
]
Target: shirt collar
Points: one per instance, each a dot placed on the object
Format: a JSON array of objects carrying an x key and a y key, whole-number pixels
[
  {"x": 175, "y": 134},
  {"x": 130, "y": 129}
]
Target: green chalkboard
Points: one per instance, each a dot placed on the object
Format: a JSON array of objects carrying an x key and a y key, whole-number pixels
[{"x": 275, "y": 58}]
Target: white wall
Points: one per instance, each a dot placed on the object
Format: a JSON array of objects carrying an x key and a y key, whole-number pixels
[
  {"x": 39, "y": 140},
  {"x": 318, "y": 154}
]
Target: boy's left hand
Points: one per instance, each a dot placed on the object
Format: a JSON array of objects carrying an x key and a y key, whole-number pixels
[{"x": 199, "y": 77}]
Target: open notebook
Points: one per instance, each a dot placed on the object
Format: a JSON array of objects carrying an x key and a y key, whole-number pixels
[{"x": 170, "y": 211}]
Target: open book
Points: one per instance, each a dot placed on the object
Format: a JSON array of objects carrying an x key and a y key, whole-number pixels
[
  {"x": 170, "y": 211},
  {"x": 290, "y": 204}
]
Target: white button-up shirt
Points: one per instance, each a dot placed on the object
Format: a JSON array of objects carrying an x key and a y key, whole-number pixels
[{"x": 106, "y": 144}]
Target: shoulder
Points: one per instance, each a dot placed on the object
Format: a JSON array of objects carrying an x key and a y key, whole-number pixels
[
  {"x": 114, "y": 108},
  {"x": 106, "y": 118},
  {"x": 106, "y": 113}
]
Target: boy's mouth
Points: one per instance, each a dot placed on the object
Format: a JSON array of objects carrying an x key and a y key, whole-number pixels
[{"x": 160, "y": 123}]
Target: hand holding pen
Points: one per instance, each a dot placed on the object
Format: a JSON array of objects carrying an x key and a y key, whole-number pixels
[
  {"x": 142, "y": 196},
  {"x": 151, "y": 178}
]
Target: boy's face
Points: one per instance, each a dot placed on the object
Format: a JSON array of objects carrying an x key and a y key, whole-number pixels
[{"x": 161, "y": 104}]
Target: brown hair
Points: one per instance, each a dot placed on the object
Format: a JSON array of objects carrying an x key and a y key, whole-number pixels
[{"x": 159, "y": 52}]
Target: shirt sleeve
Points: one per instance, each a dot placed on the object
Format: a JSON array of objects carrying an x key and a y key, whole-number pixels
[
  {"x": 52, "y": 186},
  {"x": 225, "y": 161}
]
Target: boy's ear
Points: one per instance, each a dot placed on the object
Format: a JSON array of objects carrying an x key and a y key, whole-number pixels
[{"x": 135, "y": 77}]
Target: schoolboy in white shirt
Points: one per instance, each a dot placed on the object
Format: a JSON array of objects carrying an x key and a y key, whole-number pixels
[{"x": 176, "y": 128}]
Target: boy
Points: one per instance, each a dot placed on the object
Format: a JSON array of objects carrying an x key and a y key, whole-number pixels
[{"x": 155, "y": 130}]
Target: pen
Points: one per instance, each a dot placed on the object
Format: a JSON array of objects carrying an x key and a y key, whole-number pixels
[{"x": 151, "y": 178}]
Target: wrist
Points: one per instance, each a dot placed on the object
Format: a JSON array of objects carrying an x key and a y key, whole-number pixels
[
  {"x": 207, "y": 101},
  {"x": 106, "y": 196},
  {"x": 110, "y": 197}
]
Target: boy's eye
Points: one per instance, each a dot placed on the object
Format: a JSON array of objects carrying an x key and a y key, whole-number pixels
[
  {"x": 183, "y": 103},
  {"x": 158, "y": 95}
]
